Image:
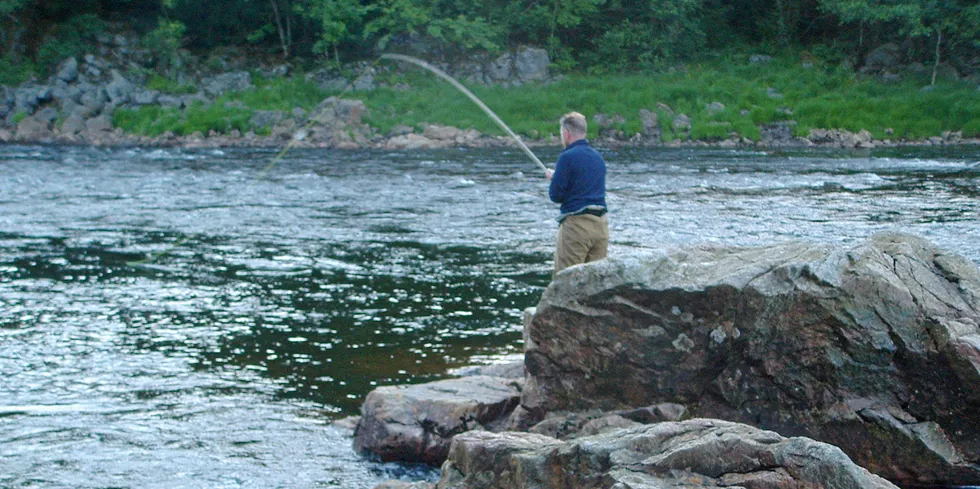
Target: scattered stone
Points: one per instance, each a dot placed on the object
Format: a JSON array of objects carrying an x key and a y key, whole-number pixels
[
  {"x": 400, "y": 130},
  {"x": 284, "y": 129},
  {"x": 119, "y": 89},
  {"x": 666, "y": 108},
  {"x": 651, "y": 124},
  {"x": 682, "y": 123},
  {"x": 759, "y": 58},
  {"x": 773, "y": 94},
  {"x": 416, "y": 423},
  {"x": 444, "y": 133},
  {"x": 47, "y": 114},
  {"x": 32, "y": 128},
  {"x": 411, "y": 141},
  {"x": 715, "y": 107},
  {"x": 328, "y": 80},
  {"x": 227, "y": 82},
  {"x": 102, "y": 123},
  {"x": 778, "y": 133},
  {"x": 953, "y": 137},
  {"x": 68, "y": 70},
  {"x": 500, "y": 69},
  {"x": 336, "y": 111},
  {"x": 142, "y": 96},
  {"x": 170, "y": 101},
  {"x": 864, "y": 139},
  {"x": 884, "y": 57},
  {"x": 365, "y": 82},
  {"x": 279, "y": 71}
]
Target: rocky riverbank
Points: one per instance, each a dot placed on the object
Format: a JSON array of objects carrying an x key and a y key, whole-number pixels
[
  {"x": 851, "y": 357},
  {"x": 80, "y": 104}
]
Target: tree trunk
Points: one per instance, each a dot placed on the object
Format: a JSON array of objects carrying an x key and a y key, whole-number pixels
[
  {"x": 282, "y": 33},
  {"x": 289, "y": 26},
  {"x": 935, "y": 67}
]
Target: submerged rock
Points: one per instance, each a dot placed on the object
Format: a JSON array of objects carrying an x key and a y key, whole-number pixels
[
  {"x": 417, "y": 423},
  {"x": 696, "y": 453},
  {"x": 874, "y": 348}
]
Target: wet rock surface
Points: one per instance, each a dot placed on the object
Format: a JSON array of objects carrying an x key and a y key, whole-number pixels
[
  {"x": 694, "y": 453},
  {"x": 875, "y": 348},
  {"x": 417, "y": 423}
]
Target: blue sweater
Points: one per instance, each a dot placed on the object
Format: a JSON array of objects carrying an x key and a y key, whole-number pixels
[{"x": 579, "y": 180}]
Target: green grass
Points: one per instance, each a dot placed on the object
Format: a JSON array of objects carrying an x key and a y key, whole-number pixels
[
  {"x": 815, "y": 97},
  {"x": 166, "y": 85},
  {"x": 225, "y": 113}
]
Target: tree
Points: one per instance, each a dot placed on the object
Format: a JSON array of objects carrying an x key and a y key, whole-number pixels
[
  {"x": 948, "y": 21},
  {"x": 446, "y": 25},
  {"x": 339, "y": 21}
]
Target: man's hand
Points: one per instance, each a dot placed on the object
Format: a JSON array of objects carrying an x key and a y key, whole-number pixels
[{"x": 548, "y": 173}]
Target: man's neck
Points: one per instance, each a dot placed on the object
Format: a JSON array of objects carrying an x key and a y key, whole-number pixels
[{"x": 573, "y": 141}]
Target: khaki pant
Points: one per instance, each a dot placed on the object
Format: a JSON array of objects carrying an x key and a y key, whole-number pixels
[{"x": 581, "y": 238}]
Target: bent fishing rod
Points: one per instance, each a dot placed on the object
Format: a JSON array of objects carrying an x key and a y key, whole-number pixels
[
  {"x": 459, "y": 86},
  {"x": 301, "y": 134}
]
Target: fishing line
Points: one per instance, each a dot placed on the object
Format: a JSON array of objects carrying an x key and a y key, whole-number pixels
[
  {"x": 459, "y": 86},
  {"x": 301, "y": 134}
]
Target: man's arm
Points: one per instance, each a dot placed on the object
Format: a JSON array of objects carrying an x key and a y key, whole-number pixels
[{"x": 556, "y": 191}]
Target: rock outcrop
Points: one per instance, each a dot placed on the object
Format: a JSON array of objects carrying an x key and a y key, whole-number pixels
[
  {"x": 695, "y": 453},
  {"x": 875, "y": 348},
  {"x": 417, "y": 423}
]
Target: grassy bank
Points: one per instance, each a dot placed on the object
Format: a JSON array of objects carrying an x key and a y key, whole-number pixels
[{"x": 784, "y": 89}]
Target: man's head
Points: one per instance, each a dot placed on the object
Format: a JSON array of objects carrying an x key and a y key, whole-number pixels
[{"x": 572, "y": 127}]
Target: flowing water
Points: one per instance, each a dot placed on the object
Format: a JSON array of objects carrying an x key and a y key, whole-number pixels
[{"x": 170, "y": 319}]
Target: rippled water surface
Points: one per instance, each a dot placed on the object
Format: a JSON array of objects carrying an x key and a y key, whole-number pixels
[{"x": 176, "y": 318}]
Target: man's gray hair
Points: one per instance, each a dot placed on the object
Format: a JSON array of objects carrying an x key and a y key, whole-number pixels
[{"x": 574, "y": 123}]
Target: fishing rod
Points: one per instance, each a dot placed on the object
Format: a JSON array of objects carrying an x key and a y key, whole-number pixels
[
  {"x": 303, "y": 132},
  {"x": 459, "y": 86}
]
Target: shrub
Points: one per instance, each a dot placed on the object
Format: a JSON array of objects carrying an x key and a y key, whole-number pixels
[
  {"x": 13, "y": 71},
  {"x": 70, "y": 39}
]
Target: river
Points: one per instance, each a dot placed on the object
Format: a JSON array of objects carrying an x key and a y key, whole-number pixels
[{"x": 196, "y": 318}]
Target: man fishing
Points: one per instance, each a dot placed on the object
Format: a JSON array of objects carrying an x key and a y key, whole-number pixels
[{"x": 578, "y": 183}]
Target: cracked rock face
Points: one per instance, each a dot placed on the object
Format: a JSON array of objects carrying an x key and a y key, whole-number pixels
[
  {"x": 695, "y": 453},
  {"x": 416, "y": 423},
  {"x": 875, "y": 348}
]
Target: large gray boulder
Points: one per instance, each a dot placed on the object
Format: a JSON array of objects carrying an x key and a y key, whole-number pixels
[
  {"x": 119, "y": 89},
  {"x": 68, "y": 70},
  {"x": 874, "y": 348},
  {"x": 651, "y": 124},
  {"x": 702, "y": 453},
  {"x": 416, "y": 423},
  {"x": 227, "y": 82},
  {"x": 531, "y": 64},
  {"x": 884, "y": 57},
  {"x": 34, "y": 129},
  {"x": 335, "y": 111}
]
